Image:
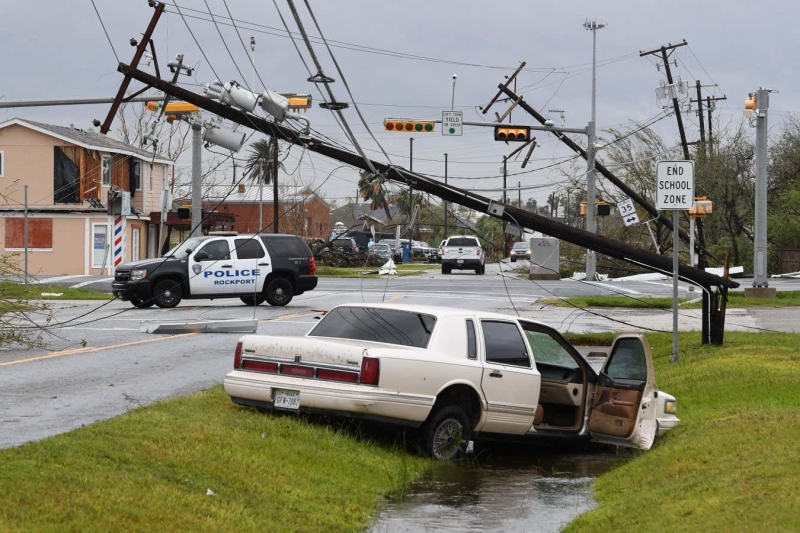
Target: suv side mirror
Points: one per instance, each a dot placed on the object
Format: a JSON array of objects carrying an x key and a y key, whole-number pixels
[{"x": 200, "y": 256}]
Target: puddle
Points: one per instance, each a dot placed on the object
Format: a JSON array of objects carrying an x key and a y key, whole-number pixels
[{"x": 517, "y": 492}]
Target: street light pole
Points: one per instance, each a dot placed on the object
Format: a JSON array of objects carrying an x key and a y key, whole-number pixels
[
  {"x": 591, "y": 174},
  {"x": 197, "y": 191}
]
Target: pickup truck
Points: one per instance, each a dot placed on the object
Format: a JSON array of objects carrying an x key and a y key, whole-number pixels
[
  {"x": 455, "y": 374},
  {"x": 463, "y": 253}
]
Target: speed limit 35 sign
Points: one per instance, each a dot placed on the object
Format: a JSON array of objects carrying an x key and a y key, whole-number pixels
[{"x": 675, "y": 185}]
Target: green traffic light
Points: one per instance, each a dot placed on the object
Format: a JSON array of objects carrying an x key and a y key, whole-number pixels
[
  {"x": 428, "y": 127},
  {"x": 418, "y": 127}
]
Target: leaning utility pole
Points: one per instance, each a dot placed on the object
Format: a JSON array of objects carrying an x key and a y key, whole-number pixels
[{"x": 675, "y": 104}]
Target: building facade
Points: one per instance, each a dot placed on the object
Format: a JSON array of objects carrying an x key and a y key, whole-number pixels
[{"x": 69, "y": 174}]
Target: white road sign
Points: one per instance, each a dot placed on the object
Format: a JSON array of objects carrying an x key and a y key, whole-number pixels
[
  {"x": 452, "y": 122},
  {"x": 675, "y": 185},
  {"x": 628, "y": 212}
]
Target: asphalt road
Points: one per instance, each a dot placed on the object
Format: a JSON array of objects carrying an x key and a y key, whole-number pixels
[{"x": 99, "y": 364}]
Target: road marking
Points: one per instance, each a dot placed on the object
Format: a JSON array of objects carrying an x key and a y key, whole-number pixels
[
  {"x": 395, "y": 298},
  {"x": 85, "y": 283},
  {"x": 600, "y": 284},
  {"x": 58, "y": 278},
  {"x": 287, "y": 317},
  {"x": 93, "y": 349}
]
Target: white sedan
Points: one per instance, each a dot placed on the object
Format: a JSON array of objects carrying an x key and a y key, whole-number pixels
[{"x": 458, "y": 375}]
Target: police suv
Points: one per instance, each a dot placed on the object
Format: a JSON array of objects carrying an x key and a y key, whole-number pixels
[{"x": 253, "y": 268}]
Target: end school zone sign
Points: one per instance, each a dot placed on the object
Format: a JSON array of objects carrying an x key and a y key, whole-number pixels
[{"x": 675, "y": 185}]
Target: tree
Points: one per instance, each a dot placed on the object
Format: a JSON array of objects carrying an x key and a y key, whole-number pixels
[
  {"x": 260, "y": 163},
  {"x": 371, "y": 189}
]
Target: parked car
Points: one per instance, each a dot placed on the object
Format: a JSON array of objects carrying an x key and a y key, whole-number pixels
[
  {"x": 520, "y": 250},
  {"x": 463, "y": 253},
  {"x": 269, "y": 267},
  {"x": 455, "y": 374},
  {"x": 345, "y": 244},
  {"x": 397, "y": 251},
  {"x": 382, "y": 250}
]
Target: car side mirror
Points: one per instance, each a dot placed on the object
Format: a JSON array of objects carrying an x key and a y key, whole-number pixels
[{"x": 200, "y": 256}]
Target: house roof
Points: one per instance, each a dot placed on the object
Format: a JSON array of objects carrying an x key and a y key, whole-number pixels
[
  {"x": 87, "y": 139},
  {"x": 229, "y": 194}
]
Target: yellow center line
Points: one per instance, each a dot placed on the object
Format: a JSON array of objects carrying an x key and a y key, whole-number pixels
[
  {"x": 396, "y": 297},
  {"x": 287, "y": 317},
  {"x": 93, "y": 349}
]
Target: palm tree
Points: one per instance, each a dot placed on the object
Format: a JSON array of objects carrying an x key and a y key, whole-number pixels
[
  {"x": 372, "y": 189},
  {"x": 260, "y": 161}
]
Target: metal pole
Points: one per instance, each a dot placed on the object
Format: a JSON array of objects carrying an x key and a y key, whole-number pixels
[
  {"x": 692, "y": 257},
  {"x": 519, "y": 198},
  {"x": 275, "y": 215},
  {"x": 197, "y": 192},
  {"x": 760, "y": 234},
  {"x": 591, "y": 168},
  {"x": 261, "y": 203},
  {"x": 453, "y": 98},
  {"x": 445, "y": 182},
  {"x": 675, "y": 249},
  {"x": 652, "y": 236},
  {"x": 700, "y": 113},
  {"x": 253, "y": 61},
  {"x": 505, "y": 201},
  {"x": 25, "y": 238}
]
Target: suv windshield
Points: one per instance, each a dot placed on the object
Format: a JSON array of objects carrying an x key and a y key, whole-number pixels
[
  {"x": 462, "y": 241},
  {"x": 183, "y": 250},
  {"x": 521, "y": 246},
  {"x": 391, "y": 326}
]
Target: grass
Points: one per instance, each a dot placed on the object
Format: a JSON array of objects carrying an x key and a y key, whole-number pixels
[
  {"x": 10, "y": 289},
  {"x": 405, "y": 269},
  {"x": 733, "y": 462},
  {"x": 149, "y": 470},
  {"x": 735, "y": 300}
]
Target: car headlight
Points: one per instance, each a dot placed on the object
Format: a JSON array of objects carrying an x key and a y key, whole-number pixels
[
  {"x": 670, "y": 406},
  {"x": 138, "y": 274}
]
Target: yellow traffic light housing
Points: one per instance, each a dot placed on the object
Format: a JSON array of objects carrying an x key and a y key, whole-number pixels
[
  {"x": 701, "y": 208},
  {"x": 516, "y": 134},
  {"x": 298, "y": 101},
  {"x": 408, "y": 125},
  {"x": 174, "y": 110},
  {"x": 601, "y": 209}
]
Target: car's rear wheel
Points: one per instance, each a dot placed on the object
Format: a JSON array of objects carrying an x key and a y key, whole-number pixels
[
  {"x": 251, "y": 301},
  {"x": 279, "y": 292},
  {"x": 481, "y": 270},
  {"x": 446, "y": 269},
  {"x": 167, "y": 293},
  {"x": 140, "y": 303},
  {"x": 446, "y": 434}
]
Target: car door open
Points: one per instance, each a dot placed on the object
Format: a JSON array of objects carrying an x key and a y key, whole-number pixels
[{"x": 623, "y": 410}]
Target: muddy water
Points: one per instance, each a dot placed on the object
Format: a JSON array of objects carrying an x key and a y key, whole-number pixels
[{"x": 522, "y": 490}]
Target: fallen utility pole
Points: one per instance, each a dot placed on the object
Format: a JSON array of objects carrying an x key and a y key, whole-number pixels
[
  {"x": 713, "y": 301},
  {"x": 621, "y": 185}
]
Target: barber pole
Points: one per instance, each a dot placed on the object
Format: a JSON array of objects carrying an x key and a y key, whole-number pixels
[{"x": 118, "y": 240}]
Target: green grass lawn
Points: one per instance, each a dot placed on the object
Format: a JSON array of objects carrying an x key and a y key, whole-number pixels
[
  {"x": 10, "y": 289},
  {"x": 405, "y": 269},
  {"x": 149, "y": 470},
  {"x": 735, "y": 300},
  {"x": 733, "y": 463}
]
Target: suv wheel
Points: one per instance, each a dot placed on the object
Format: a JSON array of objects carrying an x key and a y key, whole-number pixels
[
  {"x": 167, "y": 293},
  {"x": 251, "y": 301},
  {"x": 139, "y": 303},
  {"x": 279, "y": 292}
]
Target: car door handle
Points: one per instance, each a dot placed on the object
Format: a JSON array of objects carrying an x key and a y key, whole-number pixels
[
  {"x": 495, "y": 374},
  {"x": 263, "y": 264},
  {"x": 227, "y": 266}
]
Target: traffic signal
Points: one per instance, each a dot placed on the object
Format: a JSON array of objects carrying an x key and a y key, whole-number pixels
[
  {"x": 601, "y": 209},
  {"x": 702, "y": 207},
  {"x": 409, "y": 125},
  {"x": 174, "y": 110},
  {"x": 516, "y": 133}
]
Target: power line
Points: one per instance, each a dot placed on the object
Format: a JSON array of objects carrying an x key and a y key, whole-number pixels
[{"x": 105, "y": 31}]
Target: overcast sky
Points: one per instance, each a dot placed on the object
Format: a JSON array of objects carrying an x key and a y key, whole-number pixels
[{"x": 58, "y": 50}]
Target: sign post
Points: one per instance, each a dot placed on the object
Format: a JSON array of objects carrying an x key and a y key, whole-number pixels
[
  {"x": 675, "y": 191},
  {"x": 452, "y": 123}
]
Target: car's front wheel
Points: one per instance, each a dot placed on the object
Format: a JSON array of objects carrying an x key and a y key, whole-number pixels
[
  {"x": 446, "y": 269},
  {"x": 446, "y": 434},
  {"x": 279, "y": 292},
  {"x": 167, "y": 293}
]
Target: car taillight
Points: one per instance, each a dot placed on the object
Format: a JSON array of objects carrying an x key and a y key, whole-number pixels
[
  {"x": 260, "y": 366},
  {"x": 313, "y": 265},
  {"x": 237, "y": 356},
  {"x": 337, "y": 375},
  {"x": 478, "y": 252},
  {"x": 295, "y": 370},
  {"x": 370, "y": 370}
]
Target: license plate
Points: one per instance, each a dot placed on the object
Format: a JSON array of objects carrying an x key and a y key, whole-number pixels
[
  {"x": 460, "y": 261},
  {"x": 287, "y": 399}
]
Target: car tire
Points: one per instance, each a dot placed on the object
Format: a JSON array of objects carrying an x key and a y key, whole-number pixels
[
  {"x": 250, "y": 301},
  {"x": 279, "y": 292},
  {"x": 139, "y": 303},
  {"x": 446, "y": 433},
  {"x": 513, "y": 259},
  {"x": 167, "y": 293},
  {"x": 446, "y": 269}
]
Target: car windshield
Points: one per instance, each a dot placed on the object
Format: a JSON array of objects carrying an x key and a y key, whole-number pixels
[
  {"x": 384, "y": 247},
  {"x": 183, "y": 250},
  {"x": 462, "y": 241},
  {"x": 390, "y": 326},
  {"x": 521, "y": 246}
]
